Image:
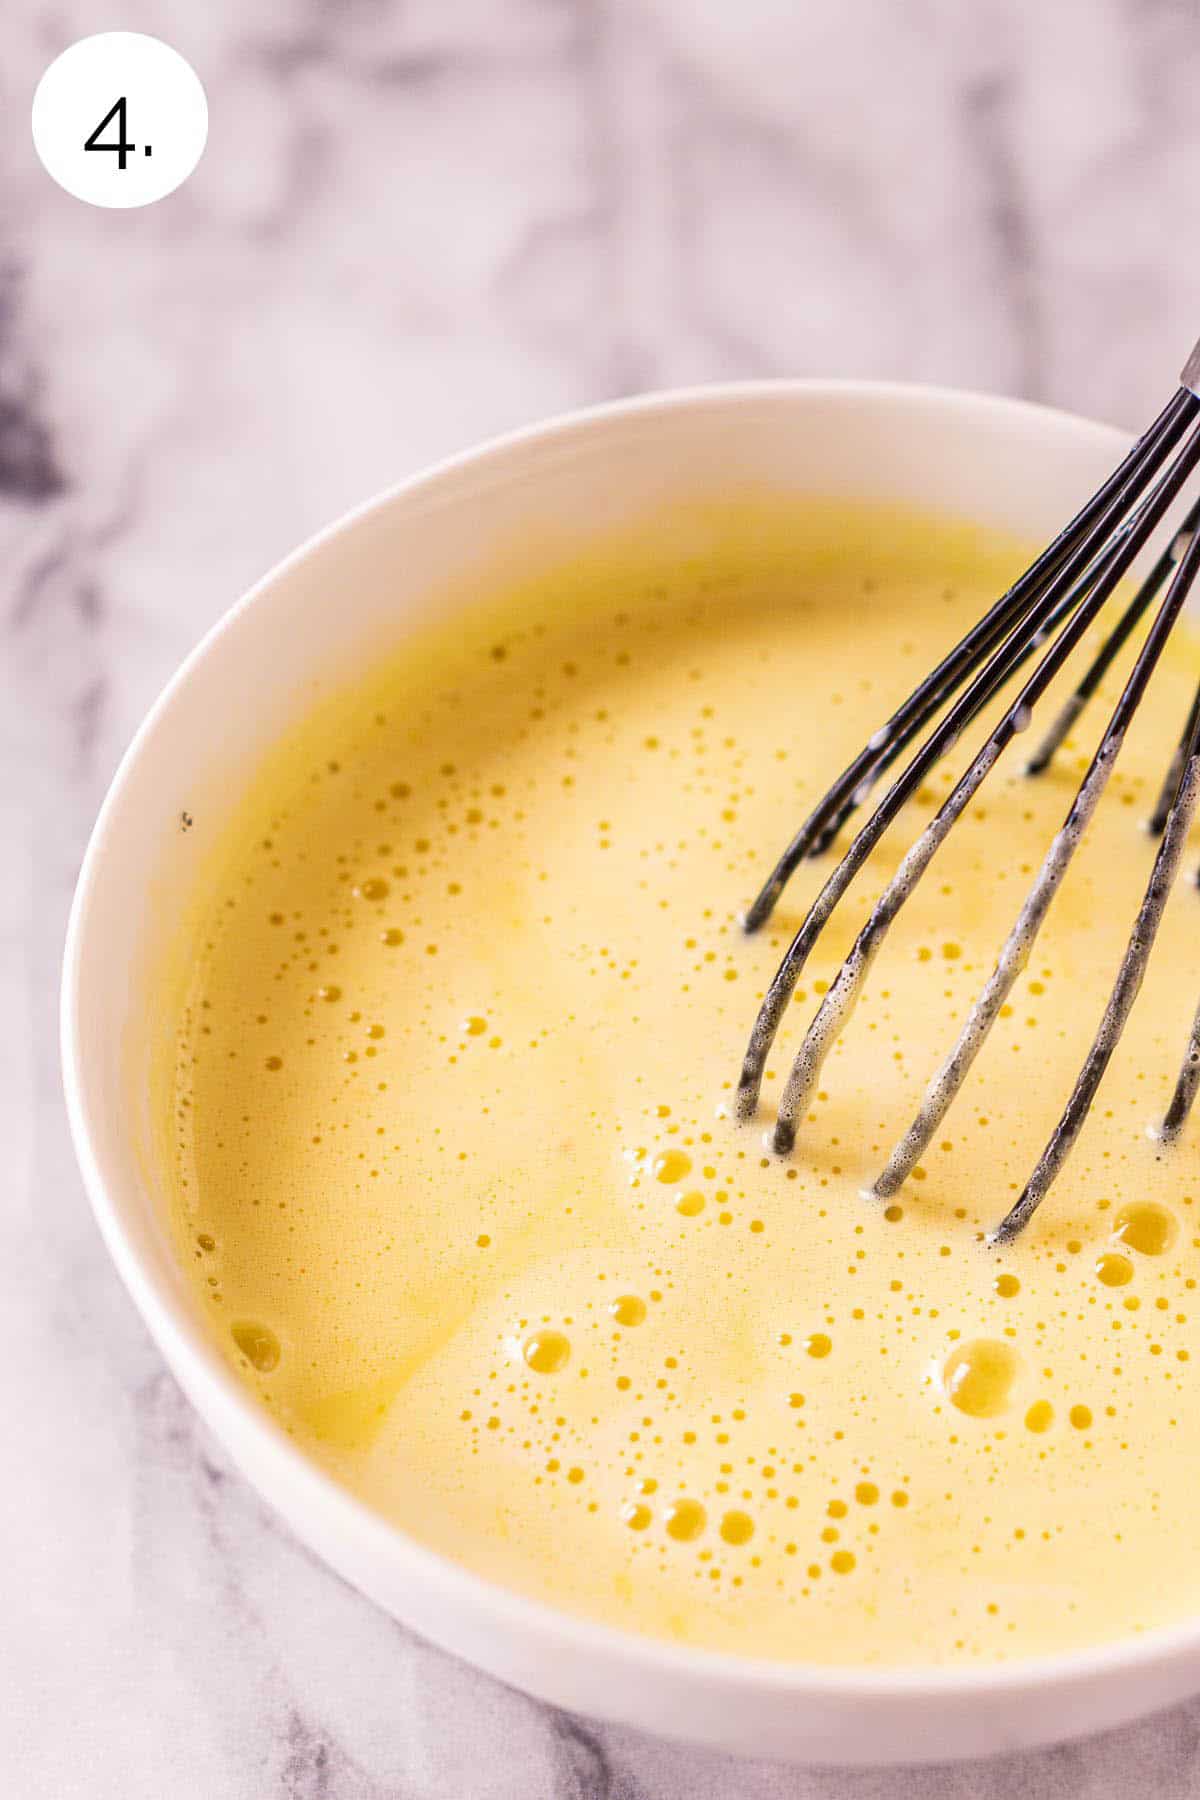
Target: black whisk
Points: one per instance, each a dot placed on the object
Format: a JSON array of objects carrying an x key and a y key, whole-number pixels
[{"x": 1049, "y": 609}]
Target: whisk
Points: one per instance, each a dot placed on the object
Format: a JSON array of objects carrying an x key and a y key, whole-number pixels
[{"x": 1047, "y": 610}]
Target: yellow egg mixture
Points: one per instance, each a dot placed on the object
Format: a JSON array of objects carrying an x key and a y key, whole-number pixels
[{"x": 460, "y": 1016}]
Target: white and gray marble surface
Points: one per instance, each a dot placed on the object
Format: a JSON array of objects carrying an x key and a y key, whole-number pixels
[{"x": 419, "y": 222}]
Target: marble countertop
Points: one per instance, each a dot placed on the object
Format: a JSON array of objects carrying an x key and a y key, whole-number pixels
[{"x": 419, "y": 222}]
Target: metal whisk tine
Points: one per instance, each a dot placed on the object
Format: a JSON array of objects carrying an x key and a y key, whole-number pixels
[
  {"x": 1108, "y": 652},
  {"x": 1120, "y": 1002},
  {"x": 945, "y": 1086},
  {"x": 1048, "y": 610},
  {"x": 1081, "y": 537},
  {"x": 1162, "y": 806},
  {"x": 1176, "y": 1115}
]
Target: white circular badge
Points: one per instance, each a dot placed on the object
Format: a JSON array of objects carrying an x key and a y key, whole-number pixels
[{"x": 120, "y": 119}]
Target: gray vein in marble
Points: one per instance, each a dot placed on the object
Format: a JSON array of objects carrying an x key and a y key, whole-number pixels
[
  {"x": 29, "y": 468},
  {"x": 583, "y": 1772},
  {"x": 988, "y": 108}
]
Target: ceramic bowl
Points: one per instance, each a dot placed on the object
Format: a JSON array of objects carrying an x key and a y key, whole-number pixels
[{"x": 363, "y": 583}]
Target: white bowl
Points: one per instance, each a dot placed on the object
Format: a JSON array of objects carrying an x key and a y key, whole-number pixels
[{"x": 312, "y": 620}]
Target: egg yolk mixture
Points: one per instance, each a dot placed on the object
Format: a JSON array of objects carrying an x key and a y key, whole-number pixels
[{"x": 460, "y": 1013}]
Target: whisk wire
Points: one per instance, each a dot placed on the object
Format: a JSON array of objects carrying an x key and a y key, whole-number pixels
[
  {"x": 1170, "y": 787},
  {"x": 1083, "y": 583},
  {"x": 1120, "y": 1002},
  {"x": 1176, "y": 1115},
  {"x": 1084, "y": 533},
  {"x": 1111, "y": 648}
]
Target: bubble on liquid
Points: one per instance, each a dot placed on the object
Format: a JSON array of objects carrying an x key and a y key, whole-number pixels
[
  {"x": 690, "y": 1205},
  {"x": 628, "y": 1309},
  {"x": 1040, "y": 1416},
  {"x": 1113, "y": 1269},
  {"x": 1006, "y": 1286},
  {"x": 257, "y": 1343},
  {"x": 636, "y": 1516},
  {"x": 818, "y": 1344},
  {"x": 672, "y": 1165},
  {"x": 977, "y": 1377},
  {"x": 1146, "y": 1226},
  {"x": 374, "y": 888},
  {"x": 737, "y": 1527},
  {"x": 685, "y": 1520},
  {"x": 474, "y": 1026},
  {"x": 546, "y": 1352}
]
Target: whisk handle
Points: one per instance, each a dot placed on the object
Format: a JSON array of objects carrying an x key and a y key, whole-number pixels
[{"x": 1190, "y": 377}]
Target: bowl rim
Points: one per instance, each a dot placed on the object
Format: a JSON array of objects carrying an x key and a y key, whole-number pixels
[{"x": 229, "y": 1407}]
